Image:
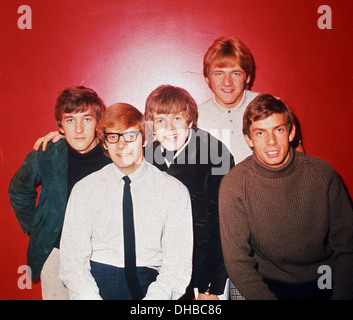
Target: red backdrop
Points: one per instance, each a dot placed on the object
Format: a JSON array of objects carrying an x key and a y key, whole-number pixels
[{"x": 124, "y": 49}]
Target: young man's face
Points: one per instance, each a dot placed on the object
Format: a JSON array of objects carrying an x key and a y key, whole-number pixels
[
  {"x": 270, "y": 139},
  {"x": 80, "y": 130},
  {"x": 227, "y": 84},
  {"x": 171, "y": 130},
  {"x": 127, "y": 156}
]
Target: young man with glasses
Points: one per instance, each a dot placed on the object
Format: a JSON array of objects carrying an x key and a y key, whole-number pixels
[
  {"x": 128, "y": 227},
  {"x": 77, "y": 112}
]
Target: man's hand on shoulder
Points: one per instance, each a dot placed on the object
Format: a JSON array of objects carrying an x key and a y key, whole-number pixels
[{"x": 53, "y": 136}]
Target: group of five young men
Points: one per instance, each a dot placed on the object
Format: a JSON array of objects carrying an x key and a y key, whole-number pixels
[{"x": 168, "y": 204}]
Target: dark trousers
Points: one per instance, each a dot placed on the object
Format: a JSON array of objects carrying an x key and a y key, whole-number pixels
[
  {"x": 112, "y": 283},
  {"x": 302, "y": 291}
]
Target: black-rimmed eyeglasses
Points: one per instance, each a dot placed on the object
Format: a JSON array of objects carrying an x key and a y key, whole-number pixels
[{"x": 114, "y": 137}]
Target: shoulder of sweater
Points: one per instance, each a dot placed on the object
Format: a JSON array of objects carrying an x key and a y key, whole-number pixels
[
  {"x": 318, "y": 167},
  {"x": 315, "y": 162},
  {"x": 234, "y": 183},
  {"x": 236, "y": 176}
]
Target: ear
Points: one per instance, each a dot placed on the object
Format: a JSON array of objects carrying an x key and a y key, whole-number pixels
[
  {"x": 105, "y": 146},
  {"x": 207, "y": 80},
  {"x": 247, "y": 81},
  {"x": 249, "y": 141},
  {"x": 292, "y": 134}
]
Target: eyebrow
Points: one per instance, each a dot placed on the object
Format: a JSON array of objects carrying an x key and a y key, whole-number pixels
[
  {"x": 164, "y": 115},
  {"x": 276, "y": 127},
  {"x": 215, "y": 69},
  {"x": 72, "y": 115}
]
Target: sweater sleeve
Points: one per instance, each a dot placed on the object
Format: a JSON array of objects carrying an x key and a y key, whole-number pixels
[
  {"x": 341, "y": 239},
  {"x": 235, "y": 236}
]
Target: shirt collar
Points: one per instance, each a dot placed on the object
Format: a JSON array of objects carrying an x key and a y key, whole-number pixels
[
  {"x": 237, "y": 108},
  {"x": 181, "y": 149},
  {"x": 133, "y": 176}
]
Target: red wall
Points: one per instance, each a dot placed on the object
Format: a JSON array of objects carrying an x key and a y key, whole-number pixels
[{"x": 124, "y": 49}]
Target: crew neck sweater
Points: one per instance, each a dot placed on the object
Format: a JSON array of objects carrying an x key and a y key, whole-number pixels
[{"x": 284, "y": 223}]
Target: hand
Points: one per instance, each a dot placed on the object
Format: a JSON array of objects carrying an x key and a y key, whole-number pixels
[
  {"x": 53, "y": 136},
  {"x": 203, "y": 296}
]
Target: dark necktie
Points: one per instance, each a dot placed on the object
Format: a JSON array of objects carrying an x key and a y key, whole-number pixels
[{"x": 129, "y": 243}]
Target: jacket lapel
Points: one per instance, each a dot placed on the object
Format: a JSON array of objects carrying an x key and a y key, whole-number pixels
[{"x": 178, "y": 166}]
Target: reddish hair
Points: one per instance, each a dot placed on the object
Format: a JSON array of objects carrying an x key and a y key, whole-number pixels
[
  {"x": 121, "y": 116},
  {"x": 225, "y": 52}
]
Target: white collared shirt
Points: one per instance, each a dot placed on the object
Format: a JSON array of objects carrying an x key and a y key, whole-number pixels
[
  {"x": 226, "y": 124},
  {"x": 93, "y": 230},
  {"x": 180, "y": 150}
]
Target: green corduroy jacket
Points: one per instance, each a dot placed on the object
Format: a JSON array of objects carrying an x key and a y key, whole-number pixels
[{"x": 43, "y": 220}]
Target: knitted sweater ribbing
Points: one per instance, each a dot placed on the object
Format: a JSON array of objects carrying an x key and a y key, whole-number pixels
[{"x": 283, "y": 223}]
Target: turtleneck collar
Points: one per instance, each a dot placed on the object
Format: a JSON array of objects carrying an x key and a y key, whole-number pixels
[
  {"x": 81, "y": 156},
  {"x": 277, "y": 172}
]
